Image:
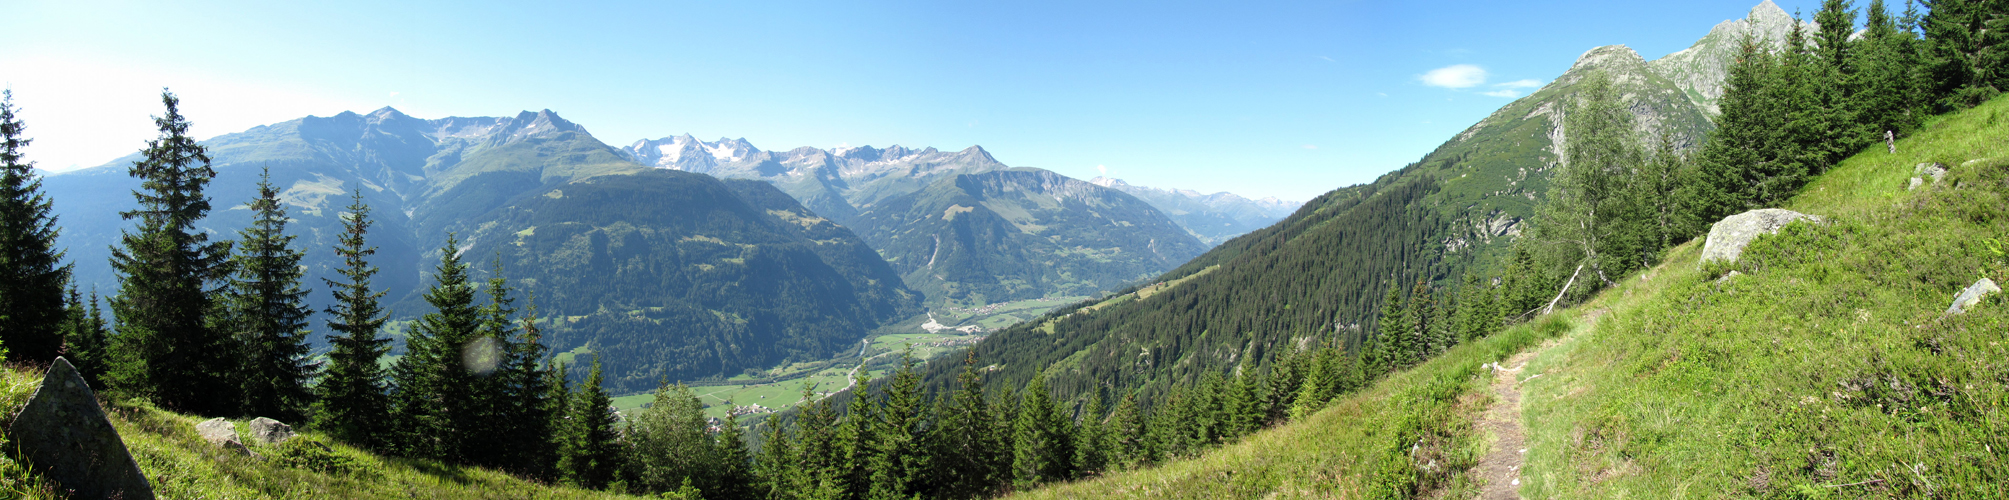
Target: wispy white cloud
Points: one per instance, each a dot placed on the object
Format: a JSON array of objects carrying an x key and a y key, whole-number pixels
[
  {"x": 1102, "y": 169},
  {"x": 1507, "y": 93},
  {"x": 1460, "y": 76},
  {"x": 1327, "y": 59},
  {"x": 1519, "y": 84}
]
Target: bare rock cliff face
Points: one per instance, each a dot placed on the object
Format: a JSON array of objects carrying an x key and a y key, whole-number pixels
[{"x": 1700, "y": 69}]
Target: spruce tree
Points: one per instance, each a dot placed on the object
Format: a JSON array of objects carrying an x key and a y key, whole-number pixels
[
  {"x": 734, "y": 471},
  {"x": 776, "y": 461},
  {"x": 268, "y": 313},
  {"x": 436, "y": 400},
  {"x": 900, "y": 459},
  {"x": 819, "y": 471},
  {"x": 1041, "y": 452},
  {"x": 1091, "y": 444},
  {"x": 591, "y": 451},
  {"x": 1128, "y": 448},
  {"x": 966, "y": 439},
  {"x": 353, "y": 406},
  {"x": 85, "y": 339},
  {"x": 1311, "y": 393},
  {"x": 858, "y": 438},
  {"x": 490, "y": 356},
  {"x": 1744, "y": 150},
  {"x": 167, "y": 350},
  {"x": 32, "y": 272},
  {"x": 1390, "y": 344},
  {"x": 528, "y": 446}
]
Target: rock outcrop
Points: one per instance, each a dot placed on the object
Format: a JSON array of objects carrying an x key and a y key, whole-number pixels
[
  {"x": 1728, "y": 237},
  {"x": 267, "y": 431},
  {"x": 67, "y": 438},
  {"x": 1936, "y": 171},
  {"x": 1972, "y": 296},
  {"x": 221, "y": 433}
]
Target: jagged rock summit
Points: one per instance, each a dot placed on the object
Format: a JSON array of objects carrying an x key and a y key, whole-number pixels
[
  {"x": 64, "y": 433},
  {"x": 1701, "y": 68}
]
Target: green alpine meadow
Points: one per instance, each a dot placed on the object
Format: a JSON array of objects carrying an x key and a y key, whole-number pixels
[{"x": 1762, "y": 263}]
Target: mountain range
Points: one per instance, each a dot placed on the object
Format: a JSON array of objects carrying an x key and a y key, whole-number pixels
[{"x": 1322, "y": 272}]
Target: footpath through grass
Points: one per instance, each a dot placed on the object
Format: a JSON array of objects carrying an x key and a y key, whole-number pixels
[
  {"x": 1824, "y": 369},
  {"x": 1409, "y": 434}
]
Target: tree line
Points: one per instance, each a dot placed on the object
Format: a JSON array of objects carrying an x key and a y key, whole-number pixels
[{"x": 1790, "y": 111}]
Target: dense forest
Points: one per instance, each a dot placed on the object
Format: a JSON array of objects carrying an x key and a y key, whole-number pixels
[{"x": 1265, "y": 329}]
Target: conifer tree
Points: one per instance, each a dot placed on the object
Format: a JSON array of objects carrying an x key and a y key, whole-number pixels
[
  {"x": 32, "y": 272},
  {"x": 1421, "y": 310},
  {"x": 1312, "y": 395},
  {"x": 819, "y": 471},
  {"x": 899, "y": 461},
  {"x": 436, "y": 400},
  {"x": 1128, "y": 448},
  {"x": 1661, "y": 224},
  {"x": 1390, "y": 344},
  {"x": 268, "y": 313},
  {"x": 167, "y": 350},
  {"x": 858, "y": 438},
  {"x": 1744, "y": 151},
  {"x": 966, "y": 439},
  {"x": 1240, "y": 405},
  {"x": 1035, "y": 447},
  {"x": 591, "y": 450},
  {"x": 353, "y": 406},
  {"x": 1091, "y": 444},
  {"x": 777, "y": 460},
  {"x": 1888, "y": 99},
  {"x": 85, "y": 339},
  {"x": 490, "y": 357},
  {"x": 528, "y": 446},
  {"x": 733, "y": 473}
]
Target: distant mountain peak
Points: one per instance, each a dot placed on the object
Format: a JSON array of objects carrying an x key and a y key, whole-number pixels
[
  {"x": 1701, "y": 68},
  {"x": 1609, "y": 57}
]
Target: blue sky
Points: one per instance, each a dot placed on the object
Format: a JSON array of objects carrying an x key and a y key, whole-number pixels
[{"x": 1285, "y": 99}]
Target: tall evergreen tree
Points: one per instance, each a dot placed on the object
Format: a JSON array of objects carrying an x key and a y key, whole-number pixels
[
  {"x": 820, "y": 470},
  {"x": 1313, "y": 392},
  {"x": 858, "y": 439},
  {"x": 32, "y": 272},
  {"x": 490, "y": 357},
  {"x": 591, "y": 452},
  {"x": 436, "y": 400},
  {"x": 900, "y": 460},
  {"x": 353, "y": 406},
  {"x": 528, "y": 447},
  {"x": 268, "y": 313},
  {"x": 777, "y": 460},
  {"x": 1127, "y": 446},
  {"x": 1091, "y": 443},
  {"x": 1888, "y": 98},
  {"x": 734, "y": 470},
  {"x": 166, "y": 349},
  {"x": 85, "y": 339},
  {"x": 966, "y": 440},
  {"x": 1041, "y": 451},
  {"x": 1391, "y": 343}
]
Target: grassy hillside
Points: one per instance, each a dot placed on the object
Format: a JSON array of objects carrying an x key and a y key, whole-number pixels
[
  {"x": 1824, "y": 368},
  {"x": 180, "y": 464}
]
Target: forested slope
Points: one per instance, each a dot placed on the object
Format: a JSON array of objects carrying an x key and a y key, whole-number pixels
[{"x": 1826, "y": 365}]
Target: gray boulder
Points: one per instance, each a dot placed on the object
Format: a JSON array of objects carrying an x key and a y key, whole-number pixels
[
  {"x": 1919, "y": 173},
  {"x": 1728, "y": 237},
  {"x": 64, "y": 433},
  {"x": 223, "y": 434},
  {"x": 1972, "y": 295},
  {"x": 267, "y": 431}
]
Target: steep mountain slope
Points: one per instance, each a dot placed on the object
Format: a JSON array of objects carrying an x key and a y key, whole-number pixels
[
  {"x": 478, "y": 177},
  {"x": 1324, "y": 270},
  {"x": 1826, "y": 367},
  {"x": 1001, "y": 236},
  {"x": 679, "y": 275},
  {"x": 1213, "y": 218},
  {"x": 1027, "y": 242}
]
